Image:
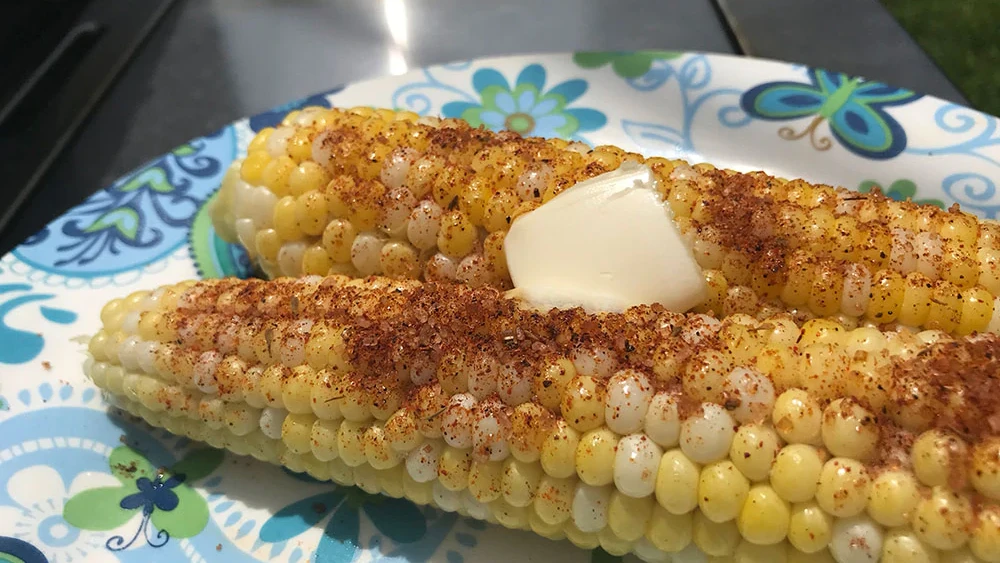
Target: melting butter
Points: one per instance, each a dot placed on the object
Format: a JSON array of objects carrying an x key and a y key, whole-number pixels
[{"x": 605, "y": 244}]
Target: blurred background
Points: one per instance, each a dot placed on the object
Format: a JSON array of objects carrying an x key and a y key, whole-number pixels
[{"x": 90, "y": 89}]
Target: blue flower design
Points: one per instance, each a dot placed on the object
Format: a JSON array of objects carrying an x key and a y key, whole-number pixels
[
  {"x": 153, "y": 494},
  {"x": 527, "y": 108},
  {"x": 342, "y": 508}
]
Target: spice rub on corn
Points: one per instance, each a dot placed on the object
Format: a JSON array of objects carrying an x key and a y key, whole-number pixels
[
  {"x": 648, "y": 431},
  {"x": 362, "y": 191}
]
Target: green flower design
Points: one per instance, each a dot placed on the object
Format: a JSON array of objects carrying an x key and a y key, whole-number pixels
[
  {"x": 164, "y": 496},
  {"x": 626, "y": 64},
  {"x": 900, "y": 190}
]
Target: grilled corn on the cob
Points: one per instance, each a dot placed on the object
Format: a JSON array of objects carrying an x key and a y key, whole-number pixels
[
  {"x": 364, "y": 191},
  {"x": 648, "y": 432}
]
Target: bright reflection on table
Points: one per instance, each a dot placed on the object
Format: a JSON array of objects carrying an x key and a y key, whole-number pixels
[{"x": 395, "y": 21}]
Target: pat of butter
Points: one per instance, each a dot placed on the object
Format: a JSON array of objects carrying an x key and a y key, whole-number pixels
[{"x": 605, "y": 244}]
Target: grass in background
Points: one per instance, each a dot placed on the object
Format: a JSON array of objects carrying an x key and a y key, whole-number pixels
[{"x": 963, "y": 38}]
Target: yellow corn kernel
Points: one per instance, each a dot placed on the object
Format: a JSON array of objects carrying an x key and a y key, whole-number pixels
[
  {"x": 824, "y": 369},
  {"x": 323, "y": 439},
  {"x": 551, "y": 381},
  {"x": 612, "y": 544},
  {"x": 754, "y": 449},
  {"x": 717, "y": 539},
  {"x": 628, "y": 517},
  {"x": 453, "y": 468},
  {"x": 736, "y": 267},
  {"x": 595, "y": 456},
  {"x": 960, "y": 265},
  {"x": 499, "y": 211},
  {"x": 252, "y": 169},
  {"x": 718, "y": 288},
  {"x": 669, "y": 532},
  {"x": 849, "y": 430},
  {"x": 722, "y": 489},
  {"x": 519, "y": 482},
  {"x": 827, "y": 289},
  {"x": 295, "y": 389},
  {"x": 798, "y": 283},
  {"x": 558, "y": 455},
  {"x": 529, "y": 427},
  {"x": 583, "y": 403},
  {"x": 779, "y": 362},
  {"x": 810, "y": 529},
  {"x": 285, "y": 222},
  {"x": 457, "y": 235},
  {"x": 315, "y": 261},
  {"x": 275, "y": 175},
  {"x": 485, "y": 480},
  {"x": 311, "y": 212},
  {"x": 268, "y": 244},
  {"x": 399, "y": 260},
  {"x": 989, "y": 269},
  {"x": 946, "y": 308},
  {"x": 448, "y": 185},
  {"x": 306, "y": 177},
  {"x": 886, "y": 300},
  {"x": 677, "y": 482},
  {"x": 474, "y": 197},
  {"x": 796, "y": 471},
  {"x": 683, "y": 195},
  {"x": 843, "y": 487},
  {"x": 765, "y": 516},
  {"x": 960, "y": 555},
  {"x": 516, "y": 518},
  {"x": 351, "y": 443},
  {"x": 959, "y": 227},
  {"x": 943, "y": 519},
  {"x": 270, "y": 380},
  {"x": 985, "y": 540},
  {"x": 259, "y": 140},
  {"x": 875, "y": 247},
  {"x": 378, "y": 451},
  {"x": 493, "y": 250},
  {"x": 422, "y": 173},
  {"x": 296, "y": 432},
  {"x": 985, "y": 467},
  {"x": 554, "y": 499},
  {"x": 977, "y": 311},
  {"x": 821, "y": 331},
  {"x": 902, "y": 546},
  {"x": 743, "y": 342},
  {"x": 798, "y": 417},
  {"x": 705, "y": 374},
  {"x": 893, "y": 496},
  {"x": 916, "y": 300},
  {"x": 939, "y": 458},
  {"x": 338, "y": 237}
]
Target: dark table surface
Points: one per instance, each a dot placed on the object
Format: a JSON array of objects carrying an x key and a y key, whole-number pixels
[{"x": 210, "y": 62}]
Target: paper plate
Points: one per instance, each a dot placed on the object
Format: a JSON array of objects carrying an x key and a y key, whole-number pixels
[{"x": 63, "y": 489}]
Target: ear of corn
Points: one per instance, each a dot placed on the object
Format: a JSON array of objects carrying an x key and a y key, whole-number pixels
[
  {"x": 646, "y": 432},
  {"x": 362, "y": 192}
]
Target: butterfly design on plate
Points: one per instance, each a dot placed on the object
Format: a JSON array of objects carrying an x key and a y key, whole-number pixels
[{"x": 853, "y": 107}]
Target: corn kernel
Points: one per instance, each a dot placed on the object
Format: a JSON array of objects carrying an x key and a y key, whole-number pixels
[
  {"x": 843, "y": 487},
  {"x": 764, "y": 518},
  {"x": 722, "y": 490}
]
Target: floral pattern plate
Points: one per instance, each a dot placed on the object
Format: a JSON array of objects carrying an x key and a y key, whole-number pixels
[{"x": 77, "y": 483}]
